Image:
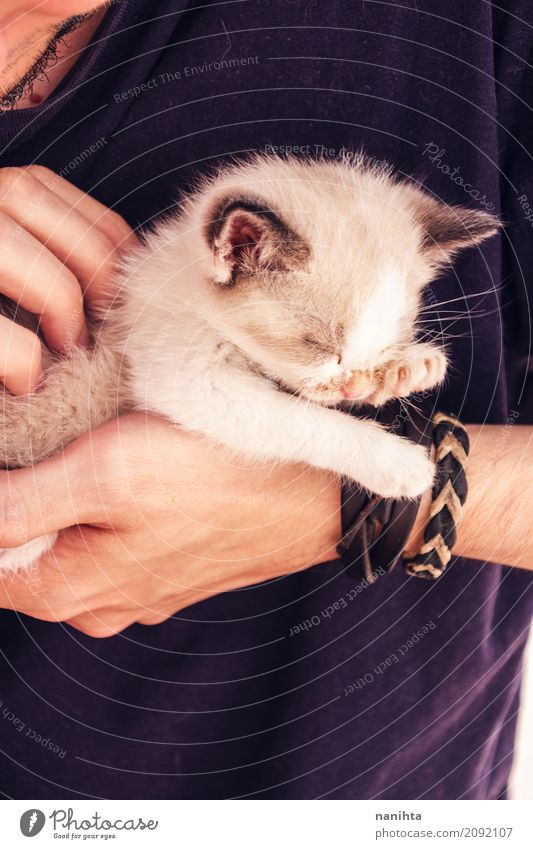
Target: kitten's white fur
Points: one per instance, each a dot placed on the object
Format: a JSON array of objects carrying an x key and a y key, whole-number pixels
[{"x": 280, "y": 288}]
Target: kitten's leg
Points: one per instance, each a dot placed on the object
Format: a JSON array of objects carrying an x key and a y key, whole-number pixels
[
  {"x": 22, "y": 557},
  {"x": 420, "y": 367},
  {"x": 79, "y": 393},
  {"x": 249, "y": 415}
]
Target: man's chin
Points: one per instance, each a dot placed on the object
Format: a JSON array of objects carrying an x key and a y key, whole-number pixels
[
  {"x": 14, "y": 81},
  {"x": 24, "y": 63}
]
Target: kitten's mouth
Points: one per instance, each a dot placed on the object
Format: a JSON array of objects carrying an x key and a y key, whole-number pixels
[
  {"x": 331, "y": 396},
  {"x": 357, "y": 387}
]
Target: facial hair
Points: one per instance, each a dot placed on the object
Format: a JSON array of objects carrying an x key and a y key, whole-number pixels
[{"x": 23, "y": 87}]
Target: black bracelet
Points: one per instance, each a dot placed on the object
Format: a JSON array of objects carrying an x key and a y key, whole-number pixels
[
  {"x": 375, "y": 529},
  {"x": 447, "y": 499}
]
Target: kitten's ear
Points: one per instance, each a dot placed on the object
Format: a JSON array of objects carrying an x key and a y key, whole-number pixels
[
  {"x": 448, "y": 229},
  {"x": 246, "y": 238}
]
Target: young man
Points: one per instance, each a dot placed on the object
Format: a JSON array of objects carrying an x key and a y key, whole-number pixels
[{"x": 306, "y": 683}]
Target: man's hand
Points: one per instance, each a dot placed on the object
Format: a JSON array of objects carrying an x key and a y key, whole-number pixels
[
  {"x": 59, "y": 246},
  {"x": 165, "y": 521}
]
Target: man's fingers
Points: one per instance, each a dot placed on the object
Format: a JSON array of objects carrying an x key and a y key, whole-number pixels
[
  {"x": 92, "y": 482},
  {"x": 58, "y": 244},
  {"x": 57, "y": 493},
  {"x": 87, "y": 251},
  {"x": 64, "y": 583},
  {"x": 20, "y": 357},
  {"x": 42, "y": 285},
  {"x": 110, "y": 223}
]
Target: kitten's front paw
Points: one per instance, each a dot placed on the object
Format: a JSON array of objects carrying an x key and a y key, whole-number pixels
[
  {"x": 422, "y": 367},
  {"x": 403, "y": 472},
  {"x": 25, "y": 555}
]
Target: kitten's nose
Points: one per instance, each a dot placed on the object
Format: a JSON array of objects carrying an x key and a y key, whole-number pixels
[{"x": 356, "y": 385}]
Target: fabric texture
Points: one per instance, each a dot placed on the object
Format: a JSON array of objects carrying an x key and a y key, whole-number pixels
[{"x": 307, "y": 686}]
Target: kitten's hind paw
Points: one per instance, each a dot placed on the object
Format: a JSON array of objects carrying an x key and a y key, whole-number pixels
[{"x": 25, "y": 555}]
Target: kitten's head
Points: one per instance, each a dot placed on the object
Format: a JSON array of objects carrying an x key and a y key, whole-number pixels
[{"x": 317, "y": 269}]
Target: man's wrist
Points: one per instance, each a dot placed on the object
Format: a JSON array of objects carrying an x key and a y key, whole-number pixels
[{"x": 416, "y": 537}]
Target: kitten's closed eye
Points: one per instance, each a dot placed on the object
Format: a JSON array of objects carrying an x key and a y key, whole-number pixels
[{"x": 321, "y": 348}]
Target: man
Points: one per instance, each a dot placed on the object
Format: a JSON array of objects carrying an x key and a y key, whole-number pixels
[{"x": 304, "y": 682}]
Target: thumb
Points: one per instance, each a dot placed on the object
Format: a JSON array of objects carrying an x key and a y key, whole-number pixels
[{"x": 57, "y": 493}]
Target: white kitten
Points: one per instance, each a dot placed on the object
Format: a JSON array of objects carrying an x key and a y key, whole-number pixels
[{"x": 281, "y": 290}]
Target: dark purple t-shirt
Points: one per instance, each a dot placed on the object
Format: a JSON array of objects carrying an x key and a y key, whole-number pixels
[{"x": 310, "y": 685}]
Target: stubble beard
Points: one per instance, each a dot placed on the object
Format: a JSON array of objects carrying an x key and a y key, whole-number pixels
[{"x": 45, "y": 58}]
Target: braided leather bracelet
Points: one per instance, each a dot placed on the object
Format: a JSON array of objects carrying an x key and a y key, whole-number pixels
[
  {"x": 376, "y": 529},
  {"x": 448, "y": 497}
]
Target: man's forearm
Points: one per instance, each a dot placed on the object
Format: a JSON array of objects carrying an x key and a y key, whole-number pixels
[{"x": 498, "y": 515}]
